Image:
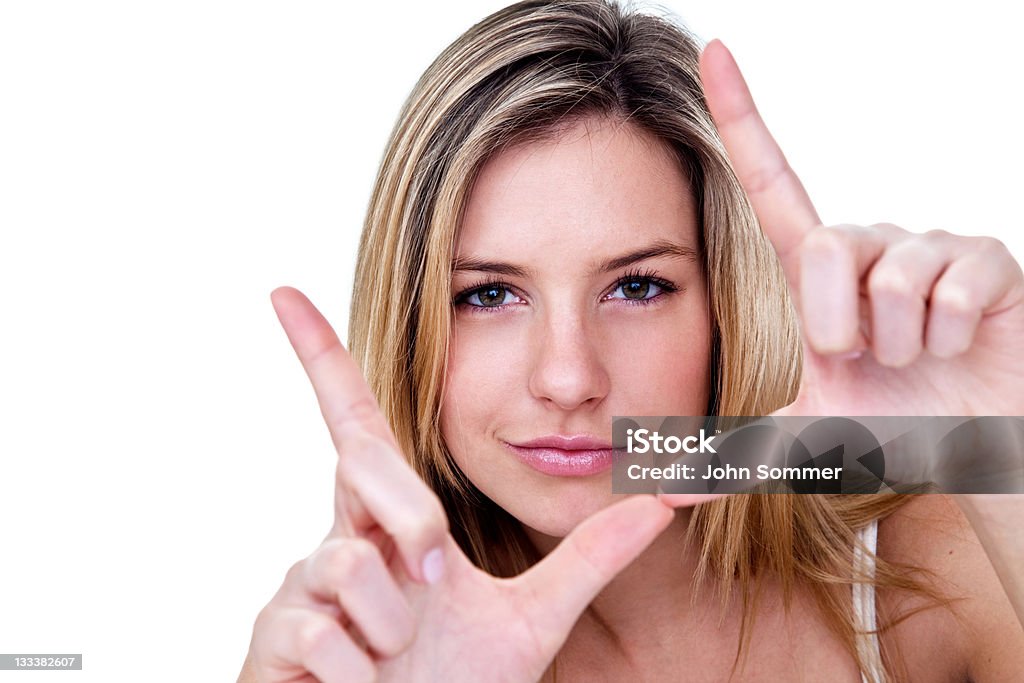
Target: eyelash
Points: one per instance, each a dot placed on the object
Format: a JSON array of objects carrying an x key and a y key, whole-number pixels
[
  {"x": 460, "y": 299},
  {"x": 650, "y": 276}
]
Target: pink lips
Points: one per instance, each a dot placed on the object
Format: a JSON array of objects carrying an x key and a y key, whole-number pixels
[{"x": 565, "y": 456}]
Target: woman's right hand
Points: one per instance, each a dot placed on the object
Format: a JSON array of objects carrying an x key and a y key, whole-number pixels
[{"x": 389, "y": 595}]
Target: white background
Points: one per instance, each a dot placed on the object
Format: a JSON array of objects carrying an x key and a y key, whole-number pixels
[{"x": 164, "y": 166}]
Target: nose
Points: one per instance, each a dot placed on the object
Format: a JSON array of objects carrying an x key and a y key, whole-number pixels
[{"x": 568, "y": 370}]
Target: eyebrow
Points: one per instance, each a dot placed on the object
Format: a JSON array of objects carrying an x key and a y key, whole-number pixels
[{"x": 660, "y": 248}]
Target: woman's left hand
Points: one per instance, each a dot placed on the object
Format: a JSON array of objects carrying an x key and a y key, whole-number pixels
[{"x": 892, "y": 322}]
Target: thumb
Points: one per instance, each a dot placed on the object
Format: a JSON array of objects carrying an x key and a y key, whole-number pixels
[{"x": 558, "y": 588}]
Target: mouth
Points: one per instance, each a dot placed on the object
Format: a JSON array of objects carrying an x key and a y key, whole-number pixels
[{"x": 565, "y": 456}]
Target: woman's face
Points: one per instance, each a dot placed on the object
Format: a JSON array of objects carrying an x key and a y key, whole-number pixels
[{"x": 579, "y": 295}]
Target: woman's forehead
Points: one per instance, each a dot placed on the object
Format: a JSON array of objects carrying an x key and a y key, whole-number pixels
[{"x": 599, "y": 182}]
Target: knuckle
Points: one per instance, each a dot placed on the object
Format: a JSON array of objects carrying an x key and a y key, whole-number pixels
[
  {"x": 311, "y": 636},
  {"x": 938, "y": 234},
  {"x": 296, "y": 572},
  {"x": 424, "y": 520},
  {"x": 401, "y": 636},
  {"x": 953, "y": 300},
  {"x": 438, "y": 518},
  {"x": 948, "y": 242},
  {"x": 347, "y": 560},
  {"x": 920, "y": 243},
  {"x": 406, "y": 630},
  {"x": 889, "y": 282},
  {"x": 762, "y": 179},
  {"x": 363, "y": 447},
  {"x": 421, "y": 529},
  {"x": 942, "y": 344},
  {"x": 992, "y": 245},
  {"x": 887, "y": 227},
  {"x": 358, "y": 453},
  {"x": 265, "y": 619},
  {"x": 355, "y": 413},
  {"x": 890, "y": 232},
  {"x": 345, "y": 470},
  {"x": 412, "y": 530},
  {"x": 829, "y": 240}
]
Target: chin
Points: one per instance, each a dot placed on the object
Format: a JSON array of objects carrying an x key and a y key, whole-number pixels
[{"x": 558, "y": 512}]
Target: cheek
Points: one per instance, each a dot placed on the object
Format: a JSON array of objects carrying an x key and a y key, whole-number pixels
[
  {"x": 484, "y": 367},
  {"x": 663, "y": 366}
]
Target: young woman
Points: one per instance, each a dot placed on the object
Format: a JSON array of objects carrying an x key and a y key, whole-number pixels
[{"x": 580, "y": 214}]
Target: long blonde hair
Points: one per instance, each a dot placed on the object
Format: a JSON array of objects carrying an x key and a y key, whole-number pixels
[{"x": 519, "y": 76}]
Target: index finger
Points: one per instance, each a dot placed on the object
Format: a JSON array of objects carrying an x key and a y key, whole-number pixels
[
  {"x": 346, "y": 401},
  {"x": 782, "y": 206}
]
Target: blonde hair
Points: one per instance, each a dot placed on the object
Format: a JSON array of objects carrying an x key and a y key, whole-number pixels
[{"x": 521, "y": 75}]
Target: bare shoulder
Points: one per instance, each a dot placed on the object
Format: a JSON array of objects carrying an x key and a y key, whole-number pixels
[
  {"x": 979, "y": 637},
  {"x": 930, "y": 532}
]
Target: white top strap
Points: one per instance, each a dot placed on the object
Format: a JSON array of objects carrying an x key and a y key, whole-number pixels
[{"x": 865, "y": 619}]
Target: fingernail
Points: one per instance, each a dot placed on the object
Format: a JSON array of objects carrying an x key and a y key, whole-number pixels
[
  {"x": 852, "y": 355},
  {"x": 433, "y": 566}
]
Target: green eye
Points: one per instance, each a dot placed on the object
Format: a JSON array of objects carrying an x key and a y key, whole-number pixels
[
  {"x": 641, "y": 287},
  {"x": 488, "y": 296},
  {"x": 636, "y": 289}
]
